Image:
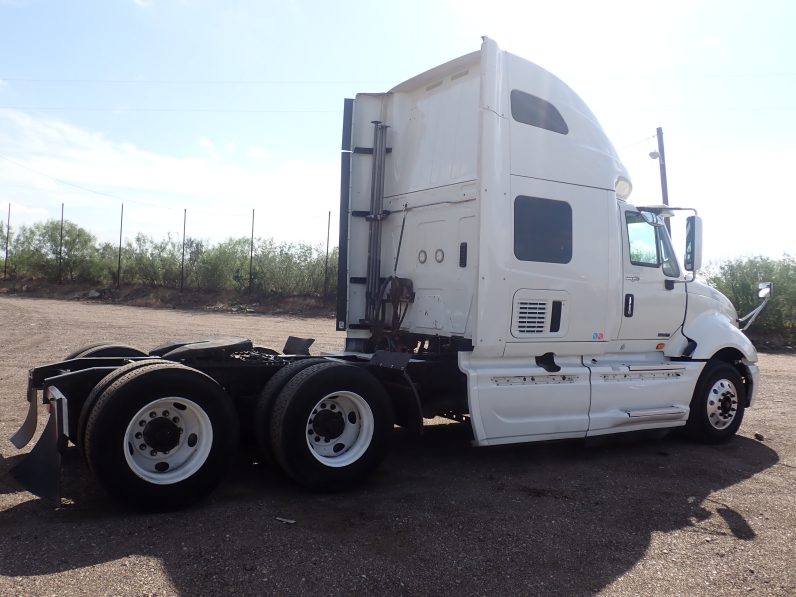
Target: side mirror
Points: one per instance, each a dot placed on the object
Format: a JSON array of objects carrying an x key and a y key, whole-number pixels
[
  {"x": 765, "y": 289},
  {"x": 693, "y": 244}
]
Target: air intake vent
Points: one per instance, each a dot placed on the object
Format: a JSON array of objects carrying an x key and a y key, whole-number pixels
[{"x": 530, "y": 317}]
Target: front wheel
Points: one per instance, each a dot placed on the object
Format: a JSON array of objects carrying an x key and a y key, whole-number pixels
[
  {"x": 331, "y": 426},
  {"x": 161, "y": 437},
  {"x": 718, "y": 404}
]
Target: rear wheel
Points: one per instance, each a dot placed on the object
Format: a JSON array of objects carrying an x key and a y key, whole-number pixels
[
  {"x": 105, "y": 349},
  {"x": 105, "y": 383},
  {"x": 331, "y": 426},
  {"x": 718, "y": 404},
  {"x": 265, "y": 405},
  {"x": 161, "y": 437}
]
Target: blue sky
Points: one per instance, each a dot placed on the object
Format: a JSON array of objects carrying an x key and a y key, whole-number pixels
[{"x": 225, "y": 107}]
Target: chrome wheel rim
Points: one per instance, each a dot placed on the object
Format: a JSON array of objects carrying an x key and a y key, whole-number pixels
[{"x": 722, "y": 405}]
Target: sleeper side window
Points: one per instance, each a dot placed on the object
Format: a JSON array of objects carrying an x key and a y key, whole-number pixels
[{"x": 542, "y": 230}]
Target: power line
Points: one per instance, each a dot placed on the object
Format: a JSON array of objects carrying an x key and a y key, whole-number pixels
[
  {"x": 185, "y": 110},
  {"x": 639, "y": 142},
  {"x": 191, "y": 82},
  {"x": 58, "y": 180},
  {"x": 117, "y": 197},
  {"x": 259, "y": 111}
]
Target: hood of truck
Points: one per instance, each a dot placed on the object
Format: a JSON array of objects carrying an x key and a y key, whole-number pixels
[{"x": 721, "y": 302}]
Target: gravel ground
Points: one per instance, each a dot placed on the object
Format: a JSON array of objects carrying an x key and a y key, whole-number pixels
[{"x": 663, "y": 517}]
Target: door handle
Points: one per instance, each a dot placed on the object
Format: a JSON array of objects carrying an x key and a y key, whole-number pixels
[
  {"x": 630, "y": 302},
  {"x": 632, "y": 278}
]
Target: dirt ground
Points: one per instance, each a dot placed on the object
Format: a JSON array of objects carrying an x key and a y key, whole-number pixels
[{"x": 651, "y": 517}]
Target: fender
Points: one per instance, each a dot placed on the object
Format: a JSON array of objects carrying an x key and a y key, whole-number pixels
[{"x": 712, "y": 332}]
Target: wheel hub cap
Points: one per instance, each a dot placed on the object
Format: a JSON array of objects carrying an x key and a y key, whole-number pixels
[
  {"x": 328, "y": 424},
  {"x": 161, "y": 434}
]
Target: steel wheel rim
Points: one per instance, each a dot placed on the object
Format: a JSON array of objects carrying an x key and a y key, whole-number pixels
[
  {"x": 175, "y": 423},
  {"x": 722, "y": 404},
  {"x": 346, "y": 412}
]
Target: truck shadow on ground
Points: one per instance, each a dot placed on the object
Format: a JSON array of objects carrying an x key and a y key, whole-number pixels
[{"x": 438, "y": 517}]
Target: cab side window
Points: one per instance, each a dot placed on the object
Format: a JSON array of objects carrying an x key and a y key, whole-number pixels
[
  {"x": 643, "y": 241},
  {"x": 649, "y": 246}
]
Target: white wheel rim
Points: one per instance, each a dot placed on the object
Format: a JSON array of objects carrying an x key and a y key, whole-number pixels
[
  {"x": 175, "y": 423},
  {"x": 339, "y": 429},
  {"x": 722, "y": 404}
]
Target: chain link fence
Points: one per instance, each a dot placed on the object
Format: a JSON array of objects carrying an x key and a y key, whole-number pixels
[{"x": 62, "y": 251}]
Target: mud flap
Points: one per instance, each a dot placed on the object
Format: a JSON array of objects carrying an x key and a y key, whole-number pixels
[
  {"x": 40, "y": 471},
  {"x": 298, "y": 346},
  {"x": 25, "y": 433}
]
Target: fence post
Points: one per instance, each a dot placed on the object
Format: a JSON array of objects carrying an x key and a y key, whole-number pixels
[
  {"x": 326, "y": 264},
  {"x": 61, "y": 246},
  {"x": 8, "y": 236},
  {"x": 182, "y": 262},
  {"x": 251, "y": 256},
  {"x": 119, "y": 266}
]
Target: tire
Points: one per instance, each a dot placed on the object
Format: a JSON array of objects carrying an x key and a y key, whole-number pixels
[
  {"x": 105, "y": 349},
  {"x": 96, "y": 392},
  {"x": 356, "y": 434},
  {"x": 261, "y": 425},
  {"x": 718, "y": 405},
  {"x": 144, "y": 454}
]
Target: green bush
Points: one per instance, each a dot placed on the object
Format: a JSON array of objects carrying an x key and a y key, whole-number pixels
[
  {"x": 38, "y": 252},
  {"x": 274, "y": 269},
  {"x": 225, "y": 265},
  {"x": 738, "y": 279}
]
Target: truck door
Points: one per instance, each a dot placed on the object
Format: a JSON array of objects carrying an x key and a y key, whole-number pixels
[{"x": 653, "y": 303}]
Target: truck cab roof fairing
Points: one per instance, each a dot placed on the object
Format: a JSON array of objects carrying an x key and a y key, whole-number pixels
[{"x": 583, "y": 155}]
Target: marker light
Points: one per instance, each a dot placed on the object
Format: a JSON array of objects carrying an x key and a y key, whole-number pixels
[{"x": 623, "y": 188}]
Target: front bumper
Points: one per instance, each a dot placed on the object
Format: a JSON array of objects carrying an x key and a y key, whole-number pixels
[{"x": 751, "y": 386}]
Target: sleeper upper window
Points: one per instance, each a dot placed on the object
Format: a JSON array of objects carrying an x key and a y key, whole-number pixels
[{"x": 529, "y": 109}]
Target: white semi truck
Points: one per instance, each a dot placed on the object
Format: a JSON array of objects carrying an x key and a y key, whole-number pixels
[{"x": 491, "y": 270}]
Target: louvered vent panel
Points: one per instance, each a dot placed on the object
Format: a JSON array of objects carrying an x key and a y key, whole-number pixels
[{"x": 530, "y": 317}]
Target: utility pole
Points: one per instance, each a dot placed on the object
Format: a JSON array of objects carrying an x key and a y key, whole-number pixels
[
  {"x": 662, "y": 162},
  {"x": 661, "y": 157}
]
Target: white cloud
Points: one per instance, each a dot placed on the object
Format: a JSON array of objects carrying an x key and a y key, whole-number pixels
[
  {"x": 291, "y": 199},
  {"x": 258, "y": 153}
]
